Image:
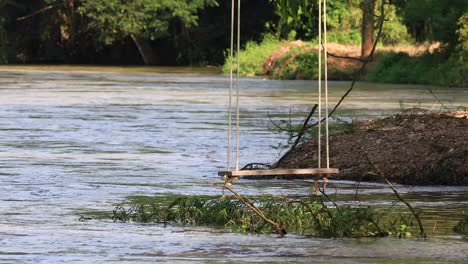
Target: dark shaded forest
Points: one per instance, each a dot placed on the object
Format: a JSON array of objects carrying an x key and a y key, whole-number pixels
[{"x": 197, "y": 32}]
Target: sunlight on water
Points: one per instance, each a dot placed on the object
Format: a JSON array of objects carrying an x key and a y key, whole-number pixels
[{"x": 77, "y": 139}]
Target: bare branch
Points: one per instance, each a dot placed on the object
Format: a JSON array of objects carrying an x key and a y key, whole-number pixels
[
  {"x": 252, "y": 207},
  {"x": 299, "y": 135},
  {"x": 440, "y": 102},
  {"x": 397, "y": 194},
  {"x": 37, "y": 12},
  {"x": 345, "y": 57}
]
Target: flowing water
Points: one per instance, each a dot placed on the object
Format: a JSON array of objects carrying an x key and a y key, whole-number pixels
[{"x": 80, "y": 139}]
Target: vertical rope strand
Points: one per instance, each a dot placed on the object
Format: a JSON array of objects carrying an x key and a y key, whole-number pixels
[
  {"x": 325, "y": 55},
  {"x": 238, "y": 84},
  {"x": 231, "y": 55},
  {"x": 319, "y": 134}
]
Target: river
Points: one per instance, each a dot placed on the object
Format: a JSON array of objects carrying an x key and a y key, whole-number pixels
[{"x": 79, "y": 139}]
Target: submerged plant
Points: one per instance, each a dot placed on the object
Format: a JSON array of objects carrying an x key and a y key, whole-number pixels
[{"x": 307, "y": 216}]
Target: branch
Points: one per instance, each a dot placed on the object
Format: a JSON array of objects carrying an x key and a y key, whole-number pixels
[
  {"x": 255, "y": 209},
  {"x": 440, "y": 102},
  {"x": 38, "y": 12},
  {"x": 416, "y": 215},
  {"x": 345, "y": 57},
  {"x": 276, "y": 125},
  {"x": 330, "y": 200},
  {"x": 299, "y": 136}
]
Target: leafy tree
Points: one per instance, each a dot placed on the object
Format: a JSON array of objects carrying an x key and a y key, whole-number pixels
[
  {"x": 394, "y": 30},
  {"x": 463, "y": 32},
  {"x": 142, "y": 20},
  {"x": 297, "y": 16},
  {"x": 433, "y": 19},
  {"x": 301, "y": 16},
  {"x": 3, "y": 36}
]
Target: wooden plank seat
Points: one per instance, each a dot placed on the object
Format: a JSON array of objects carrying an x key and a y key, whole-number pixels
[{"x": 278, "y": 172}]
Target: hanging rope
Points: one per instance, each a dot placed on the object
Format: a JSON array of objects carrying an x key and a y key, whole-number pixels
[
  {"x": 238, "y": 85},
  {"x": 231, "y": 81},
  {"x": 322, "y": 42},
  {"x": 230, "y": 90},
  {"x": 319, "y": 126},
  {"x": 326, "y": 82}
]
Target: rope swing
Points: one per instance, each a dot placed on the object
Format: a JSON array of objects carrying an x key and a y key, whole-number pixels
[{"x": 230, "y": 175}]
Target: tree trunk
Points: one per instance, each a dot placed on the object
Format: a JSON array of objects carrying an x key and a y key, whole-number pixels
[
  {"x": 367, "y": 29},
  {"x": 146, "y": 51}
]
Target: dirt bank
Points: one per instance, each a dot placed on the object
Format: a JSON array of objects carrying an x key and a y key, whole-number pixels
[{"x": 409, "y": 148}]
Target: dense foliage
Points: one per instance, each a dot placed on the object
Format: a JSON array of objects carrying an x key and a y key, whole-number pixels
[
  {"x": 432, "y": 19},
  {"x": 434, "y": 69},
  {"x": 114, "y": 20},
  {"x": 118, "y": 32}
]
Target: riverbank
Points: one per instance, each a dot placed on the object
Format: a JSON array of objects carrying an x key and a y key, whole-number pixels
[
  {"x": 424, "y": 64},
  {"x": 419, "y": 149}
]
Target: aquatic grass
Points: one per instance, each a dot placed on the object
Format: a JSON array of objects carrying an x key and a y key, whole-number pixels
[{"x": 305, "y": 216}]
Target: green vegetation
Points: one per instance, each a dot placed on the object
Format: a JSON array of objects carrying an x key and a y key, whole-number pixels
[
  {"x": 307, "y": 216},
  {"x": 344, "y": 19},
  {"x": 297, "y": 63},
  {"x": 161, "y": 32},
  {"x": 114, "y": 20},
  {"x": 432, "y": 19},
  {"x": 141, "y": 20},
  {"x": 462, "y": 226},
  {"x": 166, "y": 32},
  {"x": 423, "y": 19},
  {"x": 424, "y": 69},
  {"x": 463, "y": 33},
  {"x": 253, "y": 56}
]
